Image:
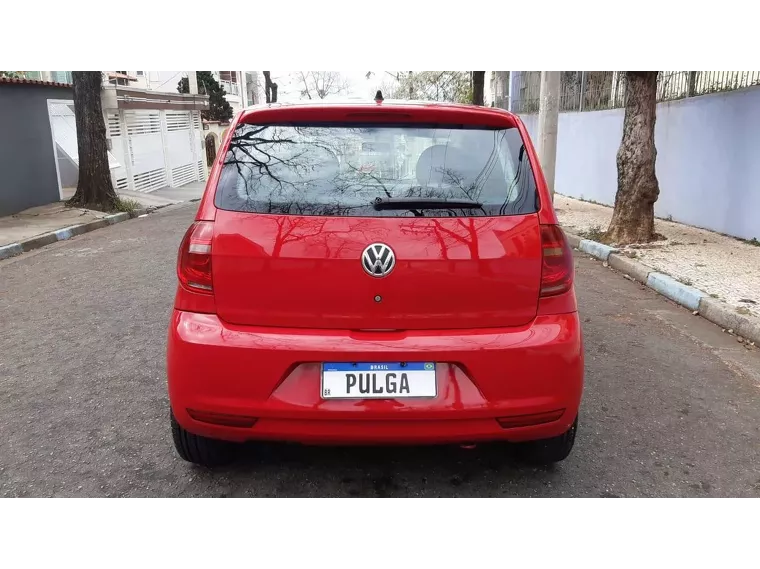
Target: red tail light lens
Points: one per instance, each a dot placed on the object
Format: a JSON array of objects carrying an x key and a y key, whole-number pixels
[
  {"x": 241, "y": 421},
  {"x": 557, "y": 265},
  {"x": 528, "y": 420},
  {"x": 194, "y": 262}
]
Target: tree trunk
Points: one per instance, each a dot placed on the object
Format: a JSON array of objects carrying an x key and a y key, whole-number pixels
[
  {"x": 478, "y": 87},
  {"x": 94, "y": 189},
  {"x": 270, "y": 89},
  {"x": 691, "y": 84},
  {"x": 637, "y": 191}
]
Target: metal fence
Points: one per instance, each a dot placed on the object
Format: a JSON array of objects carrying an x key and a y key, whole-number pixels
[{"x": 598, "y": 90}]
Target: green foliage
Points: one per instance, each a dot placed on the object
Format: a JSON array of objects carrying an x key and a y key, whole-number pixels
[
  {"x": 594, "y": 233},
  {"x": 12, "y": 74},
  {"x": 449, "y": 86},
  {"x": 219, "y": 108},
  {"x": 126, "y": 204}
]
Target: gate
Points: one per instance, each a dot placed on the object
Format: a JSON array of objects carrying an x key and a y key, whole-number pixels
[
  {"x": 64, "y": 128},
  {"x": 145, "y": 150},
  {"x": 160, "y": 148},
  {"x": 179, "y": 144}
]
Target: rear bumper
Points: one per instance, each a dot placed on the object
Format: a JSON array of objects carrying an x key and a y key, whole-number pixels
[{"x": 273, "y": 375}]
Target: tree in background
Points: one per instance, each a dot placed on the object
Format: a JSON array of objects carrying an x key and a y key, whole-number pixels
[
  {"x": 219, "y": 107},
  {"x": 95, "y": 188},
  {"x": 637, "y": 190},
  {"x": 478, "y": 87},
  {"x": 270, "y": 88},
  {"x": 321, "y": 84},
  {"x": 450, "y": 86}
]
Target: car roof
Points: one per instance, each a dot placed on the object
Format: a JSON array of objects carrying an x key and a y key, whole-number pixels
[{"x": 362, "y": 104}]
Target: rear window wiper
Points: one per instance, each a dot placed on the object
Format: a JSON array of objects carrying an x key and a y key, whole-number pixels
[{"x": 424, "y": 203}]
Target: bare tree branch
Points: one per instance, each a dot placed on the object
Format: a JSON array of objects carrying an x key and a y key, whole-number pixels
[{"x": 321, "y": 84}]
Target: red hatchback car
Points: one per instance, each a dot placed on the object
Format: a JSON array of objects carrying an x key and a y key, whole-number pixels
[{"x": 379, "y": 273}]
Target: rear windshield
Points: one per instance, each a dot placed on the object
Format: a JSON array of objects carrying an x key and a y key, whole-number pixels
[{"x": 341, "y": 170}]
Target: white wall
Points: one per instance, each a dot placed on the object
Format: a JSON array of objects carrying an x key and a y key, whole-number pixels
[
  {"x": 164, "y": 81},
  {"x": 708, "y": 159}
]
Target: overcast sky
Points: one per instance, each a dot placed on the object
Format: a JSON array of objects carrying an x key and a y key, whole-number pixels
[
  {"x": 289, "y": 85},
  {"x": 287, "y": 77},
  {"x": 289, "y": 82}
]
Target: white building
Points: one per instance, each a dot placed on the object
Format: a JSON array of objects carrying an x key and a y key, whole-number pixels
[
  {"x": 240, "y": 86},
  {"x": 155, "y": 138}
]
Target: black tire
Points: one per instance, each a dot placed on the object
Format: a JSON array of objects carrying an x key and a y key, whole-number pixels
[
  {"x": 201, "y": 450},
  {"x": 548, "y": 451}
]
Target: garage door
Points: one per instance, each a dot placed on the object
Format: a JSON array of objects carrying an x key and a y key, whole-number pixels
[
  {"x": 119, "y": 172},
  {"x": 65, "y": 135},
  {"x": 145, "y": 149},
  {"x": 181, "y": 143},
  {"x": 198, "y": 141}
]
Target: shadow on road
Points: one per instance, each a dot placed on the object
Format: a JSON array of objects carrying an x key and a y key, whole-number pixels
[{"x": 379, "y": 471}]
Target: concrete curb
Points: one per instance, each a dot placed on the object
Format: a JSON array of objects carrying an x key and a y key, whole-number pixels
[
  {"x": 595, "y": 249},
  {"x": 13, "y": 249},
  {"x": 694, "y": 299}
]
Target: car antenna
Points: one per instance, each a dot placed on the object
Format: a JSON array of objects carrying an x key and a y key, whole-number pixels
[{"x": 379, "y": 96}]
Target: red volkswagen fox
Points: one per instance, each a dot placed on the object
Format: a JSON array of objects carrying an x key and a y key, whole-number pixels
[{"x": 380, "y": 273}]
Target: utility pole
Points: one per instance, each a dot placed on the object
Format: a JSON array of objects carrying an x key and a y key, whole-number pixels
[
  {"x": 255, "y": 90},
  {"x": 548, "y": 117},
  {"x": 243, "y": 86},
  {"x": 192, "y": 82}
]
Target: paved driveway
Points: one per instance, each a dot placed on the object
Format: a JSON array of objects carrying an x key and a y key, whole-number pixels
[{"x": 671, "y": 408}]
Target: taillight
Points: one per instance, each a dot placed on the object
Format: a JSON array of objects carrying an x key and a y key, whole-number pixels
[
  {"x": 557, "y": 264},
  {"x": 194, "y": 260}
]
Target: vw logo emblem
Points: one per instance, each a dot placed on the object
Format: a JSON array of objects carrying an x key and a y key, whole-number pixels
[{"x": 378, "y": 260}]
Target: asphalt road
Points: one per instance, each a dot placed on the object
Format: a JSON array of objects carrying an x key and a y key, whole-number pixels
[{"x": 671, "y": 407}]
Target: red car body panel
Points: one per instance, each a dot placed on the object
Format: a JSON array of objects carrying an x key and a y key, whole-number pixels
[
  {"x": 273, "y": 374},
  {"x": 302, "y": 272},
  {"x": 289, "y": 293}
]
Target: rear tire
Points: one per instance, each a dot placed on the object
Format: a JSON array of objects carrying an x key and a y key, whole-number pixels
[
  {"x": 201, "y": 450},
  {"x": 548, "y": 451}
]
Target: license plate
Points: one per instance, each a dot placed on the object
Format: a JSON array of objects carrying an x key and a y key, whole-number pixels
[{"x": 378, "y": 380}]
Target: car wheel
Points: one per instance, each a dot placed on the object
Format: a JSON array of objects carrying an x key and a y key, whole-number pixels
[
  {"x": 201, "y": 450},
  {"x": 548, "y": 451}
]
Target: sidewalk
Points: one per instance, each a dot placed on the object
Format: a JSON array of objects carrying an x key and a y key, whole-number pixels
[
  {"x": 43, "y": 219},
  {"x": 43, "y": 225},
  {"x": 159, "y": 198},
  {"x": 723, "y": 267}
]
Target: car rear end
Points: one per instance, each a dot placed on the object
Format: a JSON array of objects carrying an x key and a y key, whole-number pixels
[{"x": 375, "y": 274}]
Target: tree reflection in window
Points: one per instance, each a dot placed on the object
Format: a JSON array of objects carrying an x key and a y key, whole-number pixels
[{"x": 339, "y": 171}]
